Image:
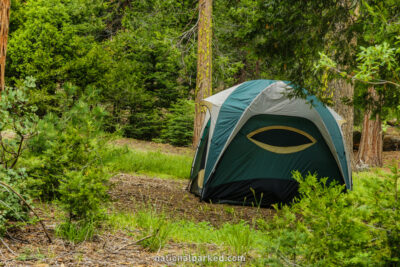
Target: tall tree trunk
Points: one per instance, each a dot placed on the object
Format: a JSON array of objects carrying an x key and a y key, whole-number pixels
[
  {"x": 341, "y": 90},
  {"x": 4, "y": 22},
  {"x": 204, "y": 65},
  {"x": 371, "y": 144}
]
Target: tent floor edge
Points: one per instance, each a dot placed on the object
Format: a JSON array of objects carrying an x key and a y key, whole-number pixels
[{"x": 259, "y": 192}]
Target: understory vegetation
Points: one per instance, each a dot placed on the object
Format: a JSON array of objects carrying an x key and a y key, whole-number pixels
[{"x": 325, "y": 227}]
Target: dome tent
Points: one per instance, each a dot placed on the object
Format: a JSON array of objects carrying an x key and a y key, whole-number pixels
[{"x": 254, "y": 136}]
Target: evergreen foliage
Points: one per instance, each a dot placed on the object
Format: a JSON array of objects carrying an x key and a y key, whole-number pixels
[
  {"x": 140, "y": 56},
  {"x": 82, "y": 194},
  {"x": 178, "y": 127},
  {"x": 67, "y": 143},
  {"x": 131, "y": 55},
  {"x": 327, "y": 227}
]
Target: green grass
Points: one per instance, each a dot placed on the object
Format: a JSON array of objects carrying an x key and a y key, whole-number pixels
[
  {"x": 76, "y": 232},
  {"x": 232, "y": 239},
  {"x": 147, "y": 162}
]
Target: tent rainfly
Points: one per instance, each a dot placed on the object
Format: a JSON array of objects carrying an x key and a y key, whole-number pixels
[{"x": 254, "y": 136}]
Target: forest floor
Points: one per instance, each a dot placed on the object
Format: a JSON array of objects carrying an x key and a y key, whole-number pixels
[
  {"x": 28, "y": 245},
  {"x": 171, "y": 197},
  {"x": 128, "y": 194}
]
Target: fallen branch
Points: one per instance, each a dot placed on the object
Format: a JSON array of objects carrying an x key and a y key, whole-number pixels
[
  {"x": 29, "y": 206},
  {"x": 137, "y": 241},
  {"x": 7, "y": 247},
  {"x": 286, "y": 260}
]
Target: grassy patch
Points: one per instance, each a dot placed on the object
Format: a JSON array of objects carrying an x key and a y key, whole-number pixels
[
  {"x": 121, "y": 220},
  {"x": 232, "y": 239},
  {"x": 76, "y": 232},
  {"x": 147, "y": 162}
]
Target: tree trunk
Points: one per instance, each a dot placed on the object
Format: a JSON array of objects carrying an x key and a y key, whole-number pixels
[
  {"x": 341, "y": 90},
  {"x": 371, "y": 144},
  {"x": 4, "y": 22},
  {"x": 204, "y": 65},
  {"x": 258, "y": 75}
]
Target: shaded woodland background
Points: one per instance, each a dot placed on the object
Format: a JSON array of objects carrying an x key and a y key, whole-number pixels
[{"x": 138, "y": 58}]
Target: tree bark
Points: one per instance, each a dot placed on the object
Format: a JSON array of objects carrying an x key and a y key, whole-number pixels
[
  {"x": 4, "y": 22},
  {"x": 371, "y": 144},
  {"x": 258, "y": 75},
  {"x": 343, "y": 89},
  {"x": 204, "y": 65}
]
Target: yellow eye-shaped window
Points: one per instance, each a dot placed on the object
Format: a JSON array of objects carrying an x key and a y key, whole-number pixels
[{"x": 281, "y": 139}]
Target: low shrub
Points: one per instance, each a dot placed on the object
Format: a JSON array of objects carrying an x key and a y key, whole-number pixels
[
  {"x": 68, "y": 143},
  {"x": 83, "y": 193},
  {"x": 64, "y": 162},
  {"x": 327, "y": 227}
]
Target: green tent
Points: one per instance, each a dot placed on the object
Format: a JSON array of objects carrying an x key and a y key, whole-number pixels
[{"x": 254, "y": 136}]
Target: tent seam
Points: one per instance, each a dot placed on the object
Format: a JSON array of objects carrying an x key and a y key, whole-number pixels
[{"x": 228, "y": 140}]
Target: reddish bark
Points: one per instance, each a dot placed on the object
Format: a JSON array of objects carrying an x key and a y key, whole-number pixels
[
  {"x": 4, "y": 22},
  {"x": 343, "y": 89},
  {"x": 371, "y": 144}
]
